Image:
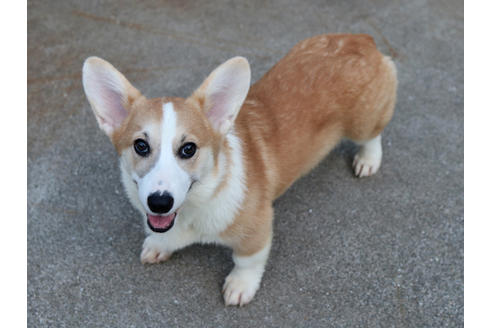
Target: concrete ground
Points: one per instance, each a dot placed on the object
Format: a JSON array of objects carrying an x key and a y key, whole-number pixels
[{"x": 385, "y": 251}]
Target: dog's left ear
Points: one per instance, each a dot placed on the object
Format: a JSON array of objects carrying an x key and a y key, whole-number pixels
[{"x": 223, "y": 92}]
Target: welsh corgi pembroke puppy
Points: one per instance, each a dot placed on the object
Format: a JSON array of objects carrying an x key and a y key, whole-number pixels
[{"x": 207, "y": 168}]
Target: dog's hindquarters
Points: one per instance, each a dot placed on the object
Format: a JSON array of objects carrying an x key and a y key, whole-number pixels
[
  {"x": 371, "y": 114},
  {"x": 375, "y": 105},
  {"x": 328, "y": 87}
]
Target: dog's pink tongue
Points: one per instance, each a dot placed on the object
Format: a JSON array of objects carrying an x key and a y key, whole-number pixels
[{"x": 160, "y": 221}]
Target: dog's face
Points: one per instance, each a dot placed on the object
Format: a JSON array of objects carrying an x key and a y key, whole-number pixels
[
  {"x": 165, "y": 149},
  {"x": 166, "y": 144}
]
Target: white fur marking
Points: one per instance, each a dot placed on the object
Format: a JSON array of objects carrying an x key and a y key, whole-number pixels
[
  {"x": 368, "y": 160},
  {"x": 244, "y": 280},
  {"x": 166, "y": 175},
  {"x": 210, "y": 214},
  {"x": 158, "y": 247}
]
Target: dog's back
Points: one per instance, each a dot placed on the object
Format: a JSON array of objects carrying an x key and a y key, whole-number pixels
[{"x": 327, "y": 87}]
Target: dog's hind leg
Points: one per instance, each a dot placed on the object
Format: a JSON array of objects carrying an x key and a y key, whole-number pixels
[{"x": 368, "y": 160}]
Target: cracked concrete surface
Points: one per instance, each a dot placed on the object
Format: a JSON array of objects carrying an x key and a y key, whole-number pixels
[{"x": 385, "y": 251}]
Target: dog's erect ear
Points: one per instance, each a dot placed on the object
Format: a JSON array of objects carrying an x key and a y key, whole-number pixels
[
  {"x": 108, "y": 92},
  {"x": 223, "y": 92}
]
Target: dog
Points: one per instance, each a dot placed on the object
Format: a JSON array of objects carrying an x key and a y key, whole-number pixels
[{"x": 207, "y": 168}]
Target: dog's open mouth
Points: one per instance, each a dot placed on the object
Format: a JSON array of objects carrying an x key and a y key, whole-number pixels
[{"x": 160, "y": 223}]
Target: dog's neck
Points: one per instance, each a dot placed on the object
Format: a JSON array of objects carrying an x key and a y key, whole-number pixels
[{"x": 214, "y": 201}]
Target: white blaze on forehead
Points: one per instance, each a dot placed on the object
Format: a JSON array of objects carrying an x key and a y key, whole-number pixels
[
  {"x": 168, "y": 130},
  {"x": 167, "y": 174}
]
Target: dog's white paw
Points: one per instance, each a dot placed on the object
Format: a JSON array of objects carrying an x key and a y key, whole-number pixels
[
  {"x": 240, "y": 286},
  {"x": 152, "y": 253},
  {"x": 365, "y": 166},
  {"x": 368, "y": 160}
]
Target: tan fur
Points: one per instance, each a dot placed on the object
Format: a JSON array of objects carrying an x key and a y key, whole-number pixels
[
  {"x": 141, "y": 113},
  {"x": 326, "y": 88}
]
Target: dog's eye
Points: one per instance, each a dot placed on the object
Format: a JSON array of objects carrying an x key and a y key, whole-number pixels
[
  {"x": 141, "y": 147},
  {"x": 187, "y": 150}
]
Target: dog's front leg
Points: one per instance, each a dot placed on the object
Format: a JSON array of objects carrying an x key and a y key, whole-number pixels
[
  {"x": 159, "y": 247},
  {"x": 244, "y": 280}
]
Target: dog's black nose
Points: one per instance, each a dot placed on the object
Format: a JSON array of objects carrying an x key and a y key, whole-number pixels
[{"x": 160, "y": 203}]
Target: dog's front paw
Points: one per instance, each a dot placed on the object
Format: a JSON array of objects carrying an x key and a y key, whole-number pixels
[
  {"x": 240, "y": 286},
  {"x": 152, "y": 253}
]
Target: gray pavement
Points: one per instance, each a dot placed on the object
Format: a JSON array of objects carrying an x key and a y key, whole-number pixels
[{"x": 385, "y": 251}]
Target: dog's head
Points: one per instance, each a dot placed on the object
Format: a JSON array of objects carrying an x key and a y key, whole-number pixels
[{"x": 166, "y": 144}]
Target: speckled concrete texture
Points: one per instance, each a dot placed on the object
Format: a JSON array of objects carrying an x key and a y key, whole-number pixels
[{"x": 385, "y": 251}]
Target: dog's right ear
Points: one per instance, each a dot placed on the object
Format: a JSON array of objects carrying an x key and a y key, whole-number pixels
[{"x": 109, "y": 93}]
